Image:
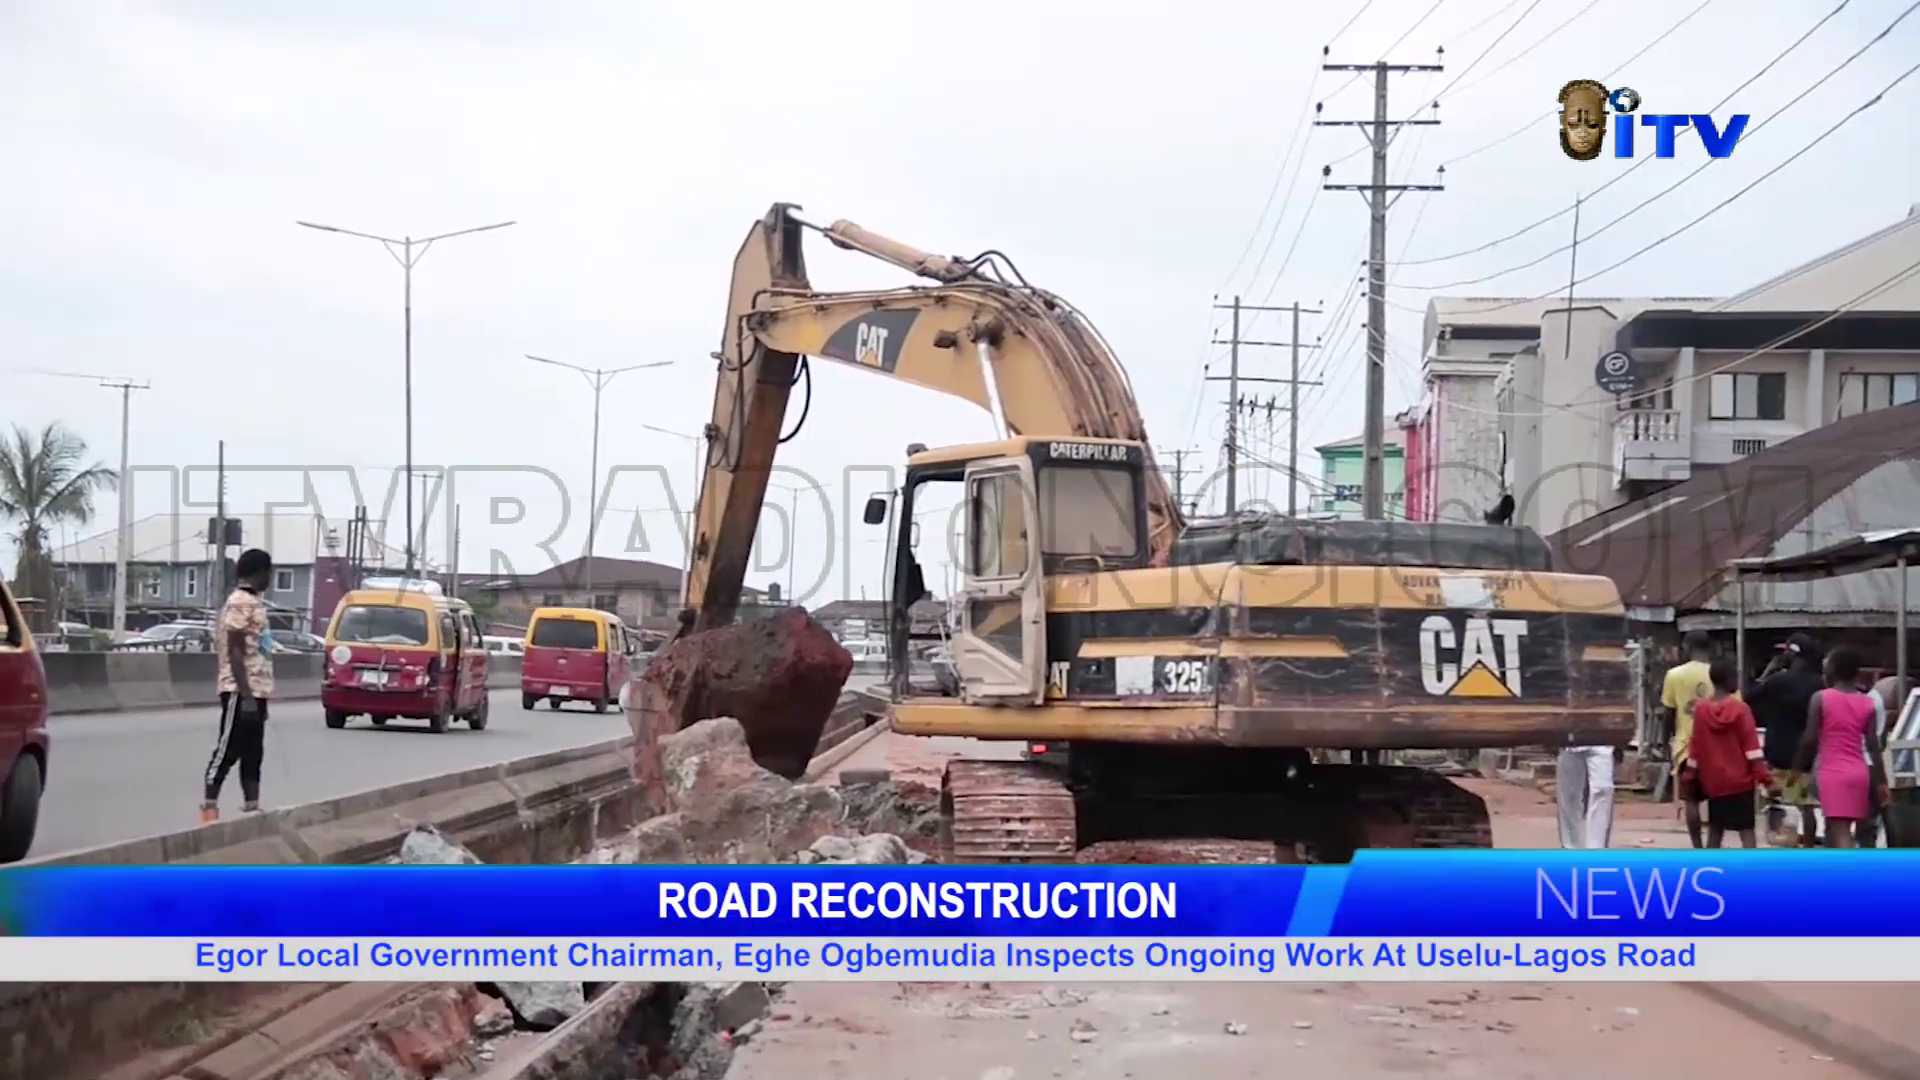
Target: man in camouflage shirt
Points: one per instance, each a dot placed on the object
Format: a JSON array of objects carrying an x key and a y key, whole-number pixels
[{"x": 245, "y": 684}]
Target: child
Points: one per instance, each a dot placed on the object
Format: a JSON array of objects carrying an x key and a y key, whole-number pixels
[{"x": 1725, "y": 759}]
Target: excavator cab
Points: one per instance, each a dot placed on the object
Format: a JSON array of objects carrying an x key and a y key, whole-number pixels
[{"x": 1032, "y": 509}]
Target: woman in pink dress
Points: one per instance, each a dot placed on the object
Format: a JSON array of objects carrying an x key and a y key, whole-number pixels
[{"x": 1843, "y": 750}]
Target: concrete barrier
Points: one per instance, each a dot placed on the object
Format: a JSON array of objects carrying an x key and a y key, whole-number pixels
[{"x": 122, "y": 681}]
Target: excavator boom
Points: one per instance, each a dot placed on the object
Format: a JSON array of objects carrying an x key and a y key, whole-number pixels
[{"x": 1020, "y": 352}]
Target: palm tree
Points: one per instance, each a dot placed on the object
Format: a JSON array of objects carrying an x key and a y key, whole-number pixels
[{"x": 44, "y": 483}]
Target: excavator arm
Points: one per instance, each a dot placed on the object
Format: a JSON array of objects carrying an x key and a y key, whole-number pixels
[{"x": 1017, "y": 351}]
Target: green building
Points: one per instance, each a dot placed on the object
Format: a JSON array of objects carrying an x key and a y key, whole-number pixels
[{"x": 1343, "y": 466}]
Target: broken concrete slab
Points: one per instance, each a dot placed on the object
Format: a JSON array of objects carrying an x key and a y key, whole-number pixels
[
  {"x": 543, "y": 1006},
  {"x": 730, "y": 809}
]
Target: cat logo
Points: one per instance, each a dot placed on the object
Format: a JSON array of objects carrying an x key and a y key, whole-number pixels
[
  {"x": 870, "y": 345},
  {"x": 1481, "y": 659},
  {"x": 1057, "y": 678}
]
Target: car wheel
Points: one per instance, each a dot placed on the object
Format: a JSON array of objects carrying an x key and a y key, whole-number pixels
[
  {"x": 336, "y": 718},
  {"x": 528, "y": 701},
  {"x": 380, "y": 721},
  {"x": 554, "y": 704},
  {"x": 477, "y": 719},
  {"x": 19, "y": 809},
  {"x": 600, "y": 704},
  {"x": 437, "y": 723}
]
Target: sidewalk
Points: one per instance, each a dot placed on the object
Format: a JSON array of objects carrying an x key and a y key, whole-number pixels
[{"x": 1868, "y": 1025}]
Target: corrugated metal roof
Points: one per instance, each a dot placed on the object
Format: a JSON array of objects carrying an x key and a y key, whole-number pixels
[{"x": 1837, "y": 481}]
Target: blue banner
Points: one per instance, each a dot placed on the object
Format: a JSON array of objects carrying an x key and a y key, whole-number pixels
[{"x": 1535, "y": 894}]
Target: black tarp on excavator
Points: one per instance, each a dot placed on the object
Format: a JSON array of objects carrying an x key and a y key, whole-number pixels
[{"x": 1283, "y": 541}]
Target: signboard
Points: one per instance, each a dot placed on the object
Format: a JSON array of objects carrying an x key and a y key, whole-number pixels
[{"x": 1617, "y": 373}]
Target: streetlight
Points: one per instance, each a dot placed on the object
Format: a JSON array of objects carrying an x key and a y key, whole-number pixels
[
  {"x": 598, "y": 378},
  {"x": 123, "y": 531},
  {"x": 403, "y": 253},
  {"x": 793, "y": 530},
  {"x": 693, "y": 508}
]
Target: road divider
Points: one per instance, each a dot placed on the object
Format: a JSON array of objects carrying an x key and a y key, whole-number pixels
[{"x": 122, "y": 681}]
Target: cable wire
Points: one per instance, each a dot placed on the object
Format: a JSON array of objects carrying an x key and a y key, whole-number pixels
[
  {"x": 1623, "y": 174},
  {"x": 1697, "y": 170},
  {"x": 1729, "y": 200}
]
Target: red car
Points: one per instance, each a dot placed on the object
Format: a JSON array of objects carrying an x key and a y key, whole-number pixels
[{"x": 23, "y": 732}]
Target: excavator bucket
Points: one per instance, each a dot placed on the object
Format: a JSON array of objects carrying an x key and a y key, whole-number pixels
[{"x": 779, "y": 677}]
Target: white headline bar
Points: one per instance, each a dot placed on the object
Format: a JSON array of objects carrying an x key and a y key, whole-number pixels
[{"x": 853, "y": 959}]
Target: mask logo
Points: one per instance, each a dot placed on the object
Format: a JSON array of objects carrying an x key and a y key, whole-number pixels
[{"x": 1583, "y": 119}]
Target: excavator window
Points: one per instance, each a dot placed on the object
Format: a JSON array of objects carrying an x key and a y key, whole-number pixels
[
  {"x": 998, "y": 529},
  {"x": 1088, "y": 511}
]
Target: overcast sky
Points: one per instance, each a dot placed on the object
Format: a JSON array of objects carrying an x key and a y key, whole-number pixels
[{"x": 1120, "y": 154}]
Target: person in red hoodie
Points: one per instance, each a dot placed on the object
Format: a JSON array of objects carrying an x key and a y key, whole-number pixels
[{"x": 1726, "y": 760}]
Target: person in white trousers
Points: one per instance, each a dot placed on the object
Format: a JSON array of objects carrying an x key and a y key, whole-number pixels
[{"x": 1583, "y": 778}]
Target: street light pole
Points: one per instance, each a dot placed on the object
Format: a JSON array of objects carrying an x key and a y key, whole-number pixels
[
  {"x": 793, "y": 532},
  {"x": 693, "y": 508},
  {"x": 403, "y": 253},
  {"x": 598, "y": 378}
]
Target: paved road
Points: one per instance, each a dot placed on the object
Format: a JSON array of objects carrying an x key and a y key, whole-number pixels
[{"x": 118, "y": 776}]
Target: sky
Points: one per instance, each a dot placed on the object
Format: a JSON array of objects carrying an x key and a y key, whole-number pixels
[{"x": 1144, "y": 162}]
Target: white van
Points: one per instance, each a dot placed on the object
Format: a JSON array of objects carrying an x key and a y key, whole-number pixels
[{"x": 505, "y": 646}]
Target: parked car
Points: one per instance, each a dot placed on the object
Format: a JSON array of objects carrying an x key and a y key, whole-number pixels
[
  {"x": 297, "y": 641},
  {"x": 505, "y": 646},
  {"x": 176, "y": 637},
  {"x": 24, "y": 739}
]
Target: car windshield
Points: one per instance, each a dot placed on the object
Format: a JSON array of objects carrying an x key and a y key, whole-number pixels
[
  {"x": 160, "y": 633},
  {"x": 382, "y": 624},
  {"x": 563, "y": 633}
]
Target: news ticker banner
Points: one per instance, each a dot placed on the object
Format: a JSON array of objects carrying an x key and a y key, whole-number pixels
[{"x": 1390, "y": 915}]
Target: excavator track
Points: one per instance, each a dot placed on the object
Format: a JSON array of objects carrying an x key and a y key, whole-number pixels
[
  {"x": 1006, "y": 812},
  {"x": 1026, "y": 812}
]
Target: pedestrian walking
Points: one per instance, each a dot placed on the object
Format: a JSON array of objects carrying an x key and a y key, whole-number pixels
[
  {"x": 245, "y": 682},
  {"x": 1841, "y": 748},
  {"x": 1583, "y": 782},
  {"x": 1687, "y": 682},
  {"x": 1780, "y": 700},
  {"x": 1728, "y": 766}
]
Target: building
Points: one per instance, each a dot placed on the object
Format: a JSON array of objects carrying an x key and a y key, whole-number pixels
[
  {"x": 644, "y": 594},
  {"x": 856, "y": 619},
  {"x": 1343, "y": 467},
  {"x": 1578, "y": 409},
  {"x": 173, "y": 572}
]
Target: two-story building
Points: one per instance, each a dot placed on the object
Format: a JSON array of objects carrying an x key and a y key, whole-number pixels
[
  {"x": 1343, "y": 469},
  {"x": 173, "y": 570},
  {"x": 1576, "y": 409}
]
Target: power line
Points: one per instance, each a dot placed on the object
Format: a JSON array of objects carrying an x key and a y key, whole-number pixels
[
  {"x": 1395, "y": 43},
  {"x": 1380, "y": 196},
  {"x": 1729, "y": 200},
  {"x": 1629, "y": 170},
  {"x": 1233, "y": 379},
  {"x": 1702, "y": 167},
  {"x": 1533, "y": 125}
]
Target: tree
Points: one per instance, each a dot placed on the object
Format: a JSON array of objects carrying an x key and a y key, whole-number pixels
[{"x": 44, "y": 482}]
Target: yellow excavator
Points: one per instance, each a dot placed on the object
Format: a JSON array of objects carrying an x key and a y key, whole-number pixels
[{"x": 1186, "y": 679}]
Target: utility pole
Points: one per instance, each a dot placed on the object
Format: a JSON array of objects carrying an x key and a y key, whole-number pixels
[
  {"x": 1180, "y": 472},
  {"x": 1233, "y": 379},
  {"x": 124, "y": 533},
  {"x": 453, "y": 567},
  {"x": 217, "y": 590},
  {"x": 1380, "y": 197}
]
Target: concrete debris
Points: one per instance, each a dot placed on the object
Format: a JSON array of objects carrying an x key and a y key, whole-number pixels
[
  {"x": 492, "y": 1019},
  {"x": 907, "y": 804},
  {"x": 730, "y": 809},
  {"x": 704, "y": 1024},
  {"x": 1083, "y": 1031},
  {"x": 735, "y": 1005},
  {"x": 831, "y": 849},
  {"x": 880, "y": 849},
  {"x": 543, "y": 1006},
  {"x": 424, "y": 846},
  {"x": 1234, "y": 1027}
]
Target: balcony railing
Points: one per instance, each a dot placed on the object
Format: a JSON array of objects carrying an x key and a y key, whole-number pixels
[{"x": 1647, "y": 425}]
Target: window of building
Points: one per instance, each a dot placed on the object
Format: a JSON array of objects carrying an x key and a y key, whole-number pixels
[
  {"x": 552, "y": 599},
  {"x": 150, "y": 586},
  {"x": 997, "y": 540},
  {"x": 283, "y": 581},
  {"x": 1747, "y": 395},
  {"x": 190, "y": 583},
  {"x": 606, "y": 601},
  {"x": 1862, "y": 392}
]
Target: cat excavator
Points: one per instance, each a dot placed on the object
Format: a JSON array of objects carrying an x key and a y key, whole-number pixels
[{"x": 1234, "y": 680}]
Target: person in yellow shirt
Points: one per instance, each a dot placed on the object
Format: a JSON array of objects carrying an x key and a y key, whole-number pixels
[{"x": 1687, "y": 682}]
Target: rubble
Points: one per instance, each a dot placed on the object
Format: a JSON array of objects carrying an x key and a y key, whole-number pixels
[
  {"x": 731, "y": 809},
  {"x": 424, "y": 846},
  {"x": 543, "y": 1006},
  {"x": 784, "y": 673},
  {"x": 906, "y": 805}
]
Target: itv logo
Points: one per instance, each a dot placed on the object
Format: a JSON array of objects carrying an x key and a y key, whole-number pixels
[{"x": 1585, "y": 105}]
